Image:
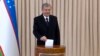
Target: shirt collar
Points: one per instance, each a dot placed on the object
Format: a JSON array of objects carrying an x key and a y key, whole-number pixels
[{"x": 46, "y": 17}]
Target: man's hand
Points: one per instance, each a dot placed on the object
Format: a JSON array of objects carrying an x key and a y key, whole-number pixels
[{"x": 43, "y": 38}]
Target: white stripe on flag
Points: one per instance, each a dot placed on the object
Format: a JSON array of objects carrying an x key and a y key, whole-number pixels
[{"x": 8, "y": 40}]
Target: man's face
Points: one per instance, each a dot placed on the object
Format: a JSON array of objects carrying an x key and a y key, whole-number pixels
[{"x": 46, "y": 11}]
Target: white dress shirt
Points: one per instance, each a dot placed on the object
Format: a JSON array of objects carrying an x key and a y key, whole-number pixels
[{"x": 45, "y": 18}]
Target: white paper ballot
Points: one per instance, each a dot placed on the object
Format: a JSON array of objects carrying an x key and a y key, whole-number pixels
[{"x": 49, "y": 43}]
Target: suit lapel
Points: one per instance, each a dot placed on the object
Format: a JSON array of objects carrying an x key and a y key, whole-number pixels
[
  {"x": 43, "y": 20},
  {"x": 44, "y": 23},
  {"x": 50, "y": 19}
]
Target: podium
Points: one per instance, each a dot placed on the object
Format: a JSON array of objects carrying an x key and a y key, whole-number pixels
[{"x": 52, "y": 51}]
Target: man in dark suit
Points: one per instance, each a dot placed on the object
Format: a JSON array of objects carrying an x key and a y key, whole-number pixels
[{"x": 46, "y": 26}]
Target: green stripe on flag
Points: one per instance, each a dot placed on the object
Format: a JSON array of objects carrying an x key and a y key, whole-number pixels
[{"x": 1, "y": 53}]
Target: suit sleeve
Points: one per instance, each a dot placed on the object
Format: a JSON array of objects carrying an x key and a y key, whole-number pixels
[
  {"x": 35, "y": 29},
  {"x": 57, "y": 32}
]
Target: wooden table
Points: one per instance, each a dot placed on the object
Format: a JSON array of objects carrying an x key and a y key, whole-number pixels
[{"x": 52, "y": 51}]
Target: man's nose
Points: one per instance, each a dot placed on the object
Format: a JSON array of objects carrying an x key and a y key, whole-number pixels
[{"x": 48, "y": 11}]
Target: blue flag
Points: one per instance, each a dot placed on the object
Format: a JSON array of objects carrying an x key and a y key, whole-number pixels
[{"x": 8, "y": 28}]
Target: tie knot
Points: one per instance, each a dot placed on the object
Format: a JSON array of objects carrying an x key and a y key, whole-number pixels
[{"x": 47, "y": 20}]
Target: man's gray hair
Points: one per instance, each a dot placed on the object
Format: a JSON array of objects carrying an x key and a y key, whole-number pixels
[{"x": 45, "y": 5}]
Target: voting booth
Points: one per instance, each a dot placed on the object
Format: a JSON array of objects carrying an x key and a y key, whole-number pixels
[{"x": 50, "y": 51}]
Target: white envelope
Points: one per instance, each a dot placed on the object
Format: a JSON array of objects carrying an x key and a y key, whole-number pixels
[{"x": 49, "y": 43}]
